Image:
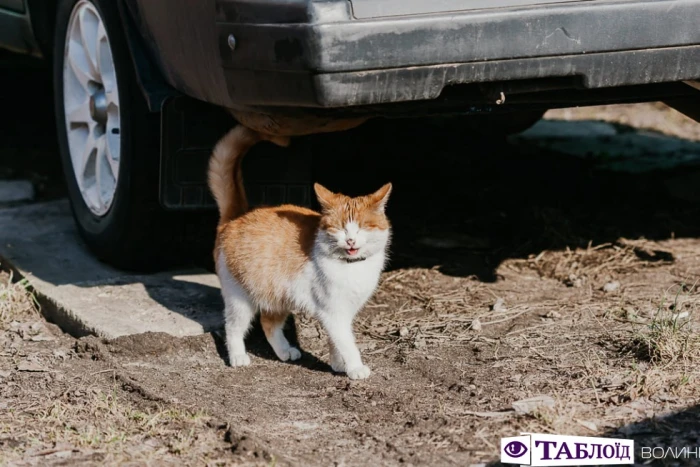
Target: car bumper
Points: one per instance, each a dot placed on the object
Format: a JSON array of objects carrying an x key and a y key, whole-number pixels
[{"x": 318, "y": 54}]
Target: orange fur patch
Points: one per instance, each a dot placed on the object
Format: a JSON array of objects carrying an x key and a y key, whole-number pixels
[
  {"x": 271, "y": 321},
  {"x": 339, "y": 209},
  {"x": 267, "y": 245}
]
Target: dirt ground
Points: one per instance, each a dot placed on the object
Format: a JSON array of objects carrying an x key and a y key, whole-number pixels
[{"x": 516, "y": 273}]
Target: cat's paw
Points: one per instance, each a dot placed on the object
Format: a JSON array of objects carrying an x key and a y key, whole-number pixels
[
  {"x": 239, "y": 360},
  {"x": 290, "y": 354},
  {"x": 337, "y": 364},
  {"x": 360, "y": 372}
]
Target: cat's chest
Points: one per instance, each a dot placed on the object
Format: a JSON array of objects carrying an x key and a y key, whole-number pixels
[
  {"x": 335, "y": 284},
  {"x": 358, "y": 277}
]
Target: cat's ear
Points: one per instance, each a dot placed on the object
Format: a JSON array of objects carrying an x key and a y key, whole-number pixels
[
  {"x": 324, "y": 195},
  {"x": 380, "y": 197}
]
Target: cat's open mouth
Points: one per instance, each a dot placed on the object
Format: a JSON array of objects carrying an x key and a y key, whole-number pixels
[{"x": 352, "y": 251}]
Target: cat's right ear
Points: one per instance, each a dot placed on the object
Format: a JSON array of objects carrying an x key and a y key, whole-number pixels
[{"x": 324, "y": 195}]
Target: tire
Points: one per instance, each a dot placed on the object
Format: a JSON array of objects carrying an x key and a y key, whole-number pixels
[{"x": 114, "y": 198}]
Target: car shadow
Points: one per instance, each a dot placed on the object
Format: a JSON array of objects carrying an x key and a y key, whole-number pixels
[
  {"x": 676, "y": 430},
  {"x": 463, "y": 204}
]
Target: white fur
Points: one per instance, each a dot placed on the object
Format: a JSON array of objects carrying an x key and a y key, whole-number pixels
[
  {"x": 238, "y": 313},
  {"x": 330, "y": 288},
  {"x": 334, "y": 244}
]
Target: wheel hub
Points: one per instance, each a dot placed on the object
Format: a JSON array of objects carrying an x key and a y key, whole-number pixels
[{"x": 98, "y": 107}]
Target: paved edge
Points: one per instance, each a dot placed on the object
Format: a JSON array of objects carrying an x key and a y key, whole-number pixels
[{"x": 52, "y": 310}]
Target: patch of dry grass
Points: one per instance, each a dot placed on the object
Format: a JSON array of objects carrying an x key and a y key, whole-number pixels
[
  {"x": 670, "y": 336},
  {"x": 577, "y": 267},
  {"x": 16, "y": 300},
  {"x": 102, "y": 426}
]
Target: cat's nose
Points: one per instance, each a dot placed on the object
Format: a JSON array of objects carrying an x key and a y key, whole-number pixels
[{"x": 350, "y": 241}]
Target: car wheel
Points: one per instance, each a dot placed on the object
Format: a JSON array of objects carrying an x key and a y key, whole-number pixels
[{"x": 109, "y": 144}]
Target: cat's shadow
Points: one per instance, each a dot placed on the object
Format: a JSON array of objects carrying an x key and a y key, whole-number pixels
[{"x": 256, "y": 344}]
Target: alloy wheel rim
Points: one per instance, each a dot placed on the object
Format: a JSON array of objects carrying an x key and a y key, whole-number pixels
[{"x": 91, "y": 107}]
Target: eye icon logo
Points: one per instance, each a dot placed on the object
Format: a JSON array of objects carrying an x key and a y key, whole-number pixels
[{"x": 515, "y": 449}]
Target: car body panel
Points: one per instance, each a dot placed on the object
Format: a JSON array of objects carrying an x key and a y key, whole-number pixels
[
  {"x": 317, "y": 54},
  {"x": 367, "y": 9},
  {"x": 16, "y": 32},
  {"x": 15, "y": 5}
]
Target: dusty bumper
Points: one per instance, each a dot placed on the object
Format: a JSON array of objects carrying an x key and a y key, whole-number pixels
[{"x": 317, "y": 54}]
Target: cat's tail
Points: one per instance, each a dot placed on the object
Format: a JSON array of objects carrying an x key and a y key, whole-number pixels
[{"x": 225, "y": 174}]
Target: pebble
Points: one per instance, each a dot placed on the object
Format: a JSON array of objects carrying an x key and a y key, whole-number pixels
[
  {"x": 499, "y": 306},
  {"x": 526, "y": 406},
  {"x": 31, "y": 367},
  {"x": 476, "y": 324},
  {"x": 590, "y": 425},
  {"x": 611, "y": 287},
  {"x": 553, "y": 315}
]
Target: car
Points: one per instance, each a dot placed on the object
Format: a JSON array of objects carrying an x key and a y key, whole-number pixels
[{"x": 143, "y": 88}]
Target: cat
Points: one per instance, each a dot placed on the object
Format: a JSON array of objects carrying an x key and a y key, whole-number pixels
[{"x": 285, "y": 259}]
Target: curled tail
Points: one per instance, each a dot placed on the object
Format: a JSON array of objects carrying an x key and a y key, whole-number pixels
[{"x": 225, "y": 175}]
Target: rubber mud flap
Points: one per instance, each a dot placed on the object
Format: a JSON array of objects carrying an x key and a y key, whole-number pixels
[{"x": 190, "y": 129}]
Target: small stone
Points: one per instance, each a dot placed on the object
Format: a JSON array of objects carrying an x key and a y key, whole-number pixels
[
  {"x": 574, "y": 281},
  {"x": 632, "y": 316},
  {"x": 41, "y": 338},
  {"x": 476, "y": 324},
  {"x": 403, "y": 332},
  {"x": 529, "y": 405},
  {"x": 499, "y": 306},
  {"x": 5, "y": 373},
  {"x": 681, "y": 315},
  {"x": 590, "y": 425},
  {"x": 31, "y": 367},
  {"x": 420, "y": 344},
  {"x": 611, "y": 287},
  {"x": 553, "y": 315}
]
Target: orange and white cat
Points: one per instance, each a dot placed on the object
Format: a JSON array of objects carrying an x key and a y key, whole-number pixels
[{"x": 291, "y": 259}]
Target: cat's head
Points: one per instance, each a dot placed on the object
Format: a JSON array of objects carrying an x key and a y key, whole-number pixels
[{"x": 353, "y": 229}]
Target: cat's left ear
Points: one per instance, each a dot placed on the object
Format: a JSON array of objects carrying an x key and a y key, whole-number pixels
[
  {"x": 325, "y": 197},
  {"x": 380, "y": 197}
]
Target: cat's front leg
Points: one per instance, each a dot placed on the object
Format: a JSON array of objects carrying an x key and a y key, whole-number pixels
[{"x": 345, "y": 356}]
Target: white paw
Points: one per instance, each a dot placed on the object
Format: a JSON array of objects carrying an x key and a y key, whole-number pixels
[
  {"x": 360, "y": 372},
  {"x": 291, "y": 353},
  {"x": 239, "y": 360},
  {"x": 337, "y": 364}
]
